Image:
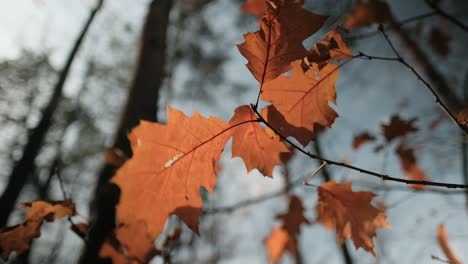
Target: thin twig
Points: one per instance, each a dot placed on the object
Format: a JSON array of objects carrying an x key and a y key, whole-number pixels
[
  {"x": 306, "y": 181},
  {"x": 428, "y": 86},
  {"x": 432, "y": 4},
  {"x": 383, "y": 177}
]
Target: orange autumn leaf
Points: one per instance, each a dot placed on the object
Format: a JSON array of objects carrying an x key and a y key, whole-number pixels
[
  {"x": 278, "y": 242},
  {"x": 254, "y": 7},
  {"x": 169, "y": 165},
  {"x": 284, "y": 237},
  {"x": 252, "y": 143},
  {"x": 293, "y": 219},
  {"x": 330, "y": 47},
  {"x": 283, "y": 28},
  {"x": 462, "y": 117},
  {"x": 442, "y": 238},
  {"x": 367, "y": 12},
  {"x": 303, "y": 99},
  {"x": 18, "y": 238},
  {"x": 274, "y": 117},
  {"x": 350, "y": 213},
  {"x": 398, "y": 127},
  {"x": 134, "y": 244},
  {"x": 410, "y": 166},
  {"x": 361, "y": 139}
]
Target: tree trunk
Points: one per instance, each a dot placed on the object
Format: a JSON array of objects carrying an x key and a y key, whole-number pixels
[
  {"x": 141, "y": 104},
  {"x": 21, "y": 170}
]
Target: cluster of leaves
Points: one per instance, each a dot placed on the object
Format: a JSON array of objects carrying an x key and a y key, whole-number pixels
[
  {"x": 18, "y": 238},
  {"x": 172, "y": 161},
  {"x": 397, "y": 130}
]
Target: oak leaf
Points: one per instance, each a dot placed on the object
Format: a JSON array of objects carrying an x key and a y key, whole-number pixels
[
  {"x": 330, "y": 47},
  {"x": 133, "y": 244},
  {"x": 278, "y": 242},
  {"x": 252, "y": 143},
  {"x": 398, "y": 127},
  {"x": 170, "y": 164},
  {"x": 254, "y": 7},
  {"x": 284, "y": 238},
  {"x": 303, "y": 99},
  {"x": 367, "y": 12},
  {"x": 410, "y": 166},
  {"x": 350, "y": 213},
  {"x": 361, "y": 139},
  {"x": 283, "y": 28},
  {"x": 18, "y": 238},
  {"x": 442, "y": 238},
  {"x": 294, "y": 218}
]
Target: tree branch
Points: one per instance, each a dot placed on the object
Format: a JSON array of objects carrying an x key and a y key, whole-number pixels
[
  {"x": 383, "y": 177},
  {"x": 432, "y": 4},
  {"x": 429, "y": 87}
]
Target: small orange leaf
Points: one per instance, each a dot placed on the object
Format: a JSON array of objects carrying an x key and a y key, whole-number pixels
[
  {"x": 283, "y": 28},
  {"x": 398, "y": 128},
  {"x": 410, "y": 166},
  {"x": 444, "y": 244},
  {"x": 361, "y": 139},
  {"x": 462, "y": 117},
  {"x": 331, "y": 47},
  {"x": 284, "y": 237},
  {"x": 18, "y": 238},
  {"x": 278, "y": 242},
  {"x": 169, "y": 165},
  {"x": 252, "y": 143},
  {"x": 294, "y": 218},
  {"x": 350, "y": 213},
  {"x": 303, "y": 98},
  {"x": 367, "y": 12}
]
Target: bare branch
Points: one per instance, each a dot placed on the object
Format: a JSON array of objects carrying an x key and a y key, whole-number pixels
[
  {"x": 383, "y": 177},
  {"x": 432, "y": 4},
  {"x": 426, "y": 84}
]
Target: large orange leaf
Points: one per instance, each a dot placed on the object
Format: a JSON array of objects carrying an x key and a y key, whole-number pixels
[
  {"x": 134, "y": 245},
  {"x": 18, "y": 238},
  {"x": 252, "y": 143},
  {"x": 284, "y": 238},
  {"x": 283, "y": 28},
  {"x": 350, "y": 213},
  {"x": 170, "y": 164},
  {"x": 303, "y": 99}
]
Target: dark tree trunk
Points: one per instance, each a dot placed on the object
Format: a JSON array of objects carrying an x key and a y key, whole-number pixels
[
  {"x": 22, "y": 168},
  {"x": 141, "y": 104}
]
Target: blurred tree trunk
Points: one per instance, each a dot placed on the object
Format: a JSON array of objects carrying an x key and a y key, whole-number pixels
[
  {"x": 148, "y": 76},
  {"x": 25, "y": 165}
]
